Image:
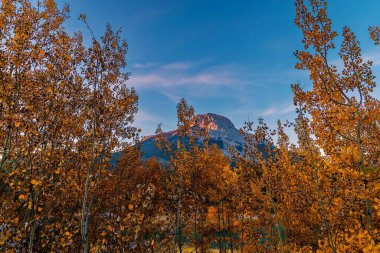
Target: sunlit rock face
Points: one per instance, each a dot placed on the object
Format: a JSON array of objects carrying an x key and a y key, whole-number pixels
[
  {"x": 221, "y": 130},
  {"x": 207, "y": 121}
]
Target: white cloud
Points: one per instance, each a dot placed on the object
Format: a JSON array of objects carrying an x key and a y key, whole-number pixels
[
  {"x": 183, "y": 65},
  {"x": 178, "y": 74},
  {"x": 171, "y": 96},
  {"x": 374, "y": 57},
  {"x": 143, "y": 116},
  {"x": 144, "y": 65},
  {"x": 278, "y": 111}
]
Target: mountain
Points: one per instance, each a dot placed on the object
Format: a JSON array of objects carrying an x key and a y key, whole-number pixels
[{"x": 222, "y": 133}]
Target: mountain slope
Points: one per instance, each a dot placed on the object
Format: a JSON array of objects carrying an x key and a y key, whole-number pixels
[{"x": 222, "y": 133}]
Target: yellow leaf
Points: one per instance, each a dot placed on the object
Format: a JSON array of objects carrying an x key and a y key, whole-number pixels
[
  {"x": 34, "y": 182},
  {"x": 22, "y": 196},
  {"x": 130, "y": 207},
  {"x": 39, "y": 209},
  {"x": 67, "y": 233},
  {"x": 103, "y": 233}
]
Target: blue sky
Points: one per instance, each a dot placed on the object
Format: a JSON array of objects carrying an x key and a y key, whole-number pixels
[{"x": 233, "y": 58}]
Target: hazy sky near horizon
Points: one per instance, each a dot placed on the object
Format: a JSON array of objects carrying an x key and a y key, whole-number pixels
[{"x": 233, "y": 58}]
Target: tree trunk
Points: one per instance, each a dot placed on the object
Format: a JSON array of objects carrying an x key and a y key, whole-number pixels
[
  {"x": 195, "y": 233},
  {"x": 179, "y": 229},
  {"x": 219, "y": 232},
  {"x": 230, "y": 233}
]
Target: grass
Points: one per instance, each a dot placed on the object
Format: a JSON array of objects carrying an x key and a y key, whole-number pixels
[{"x": 192, "y": 250}]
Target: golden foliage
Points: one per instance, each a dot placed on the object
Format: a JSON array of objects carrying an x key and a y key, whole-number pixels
[{"x": 66, "y": 113}]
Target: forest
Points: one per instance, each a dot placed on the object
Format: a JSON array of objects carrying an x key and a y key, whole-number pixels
[{"x": 66, "y": 109}]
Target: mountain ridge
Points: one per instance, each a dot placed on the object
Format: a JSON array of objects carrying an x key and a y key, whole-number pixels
[{"x": 221, "y": 130}]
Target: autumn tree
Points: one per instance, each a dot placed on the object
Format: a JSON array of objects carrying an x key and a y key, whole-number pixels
[
  {"x": 199, "y": 176},
  {"x": 344, "y": 121},
  {"x": 39, "y": 101},
  {"x": 111, "y": 108},
  {"x": 64, "y": 109},
  {"x": 262, "y": 184}
]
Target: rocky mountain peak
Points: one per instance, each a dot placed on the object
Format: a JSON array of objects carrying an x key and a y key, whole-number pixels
[
  {"x": 221, "y": 130},
  {"x": 213, "y": 121}
]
